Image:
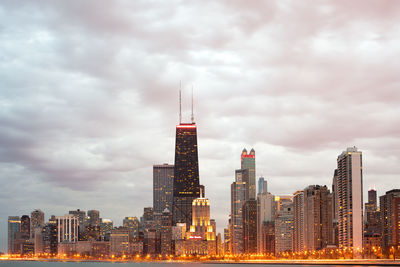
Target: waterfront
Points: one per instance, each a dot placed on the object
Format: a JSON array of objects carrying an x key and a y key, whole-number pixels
[{"x": 37, "y": 263}]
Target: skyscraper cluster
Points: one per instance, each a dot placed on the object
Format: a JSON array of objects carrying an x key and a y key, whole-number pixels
[
  {"x": 177, "y": 224},
  {"x": 311, "y": 221},
  {"x": 314, "y": 220}
]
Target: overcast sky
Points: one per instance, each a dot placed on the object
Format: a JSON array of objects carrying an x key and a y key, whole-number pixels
[{"x": 89, "y": 97}]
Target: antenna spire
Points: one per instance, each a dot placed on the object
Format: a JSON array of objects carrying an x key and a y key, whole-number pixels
[
  {"x": 180, "y": 102},
  {"x": 192, "y": 106}
]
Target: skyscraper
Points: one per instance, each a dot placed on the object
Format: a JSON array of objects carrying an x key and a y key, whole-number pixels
[
  {"x": 262, "y": 185},
  {"x": 350, "y": 200},
  {"x": 390, "y": 219},
  {"x": 317, "y": 217},
  {"x": 284, "y": 224},
  {"x": 266, "y": 217},
  {"x": 132, "y": 224},
  {"x": 248, "y": 161},
  {"x": 186, "y": 173},
  {"x": 25, "y": 226},
  {"x": 37, "y": 221},
  {"x": 298, "y": 222},
  {"x": 81, "y": 215},
  {"x": 239, "y": 195},
  {"x": 93, "y": 218},
  {"x": 166, "y": 233},
  {"x": 14, "y": 224},
  {"x": 163, "y": 183},
  {"x": 67, "y": 228},
  {"x": 250, "y": 226}
]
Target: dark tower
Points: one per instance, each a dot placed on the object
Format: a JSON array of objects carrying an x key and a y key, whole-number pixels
[{"x": 186, "y": 172}]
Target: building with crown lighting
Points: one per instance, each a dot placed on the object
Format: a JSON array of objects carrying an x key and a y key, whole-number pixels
[{"x": 201, "y": 238}]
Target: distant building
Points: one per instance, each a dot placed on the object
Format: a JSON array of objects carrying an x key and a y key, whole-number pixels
[
  {"x": 317, "y": 217},
  {"x": 284, "y": 224},
  {"x": 81, "y": 215},
  {"x": 186, "y": 173},
  {"x": 67, "y": 228},
  {"x": 25, "y": 226},
  {"x": 239, "y": 195},
  {"x": 250, "y": 226},
  {"x": 266, "y": 216},
  {"x": 166, "y": 233},
  {"x": 132, "y": 224},
  {"x": 201, "y": 238},
  {"x": 163, "y": 183},
  {"x": 37, "y": 221},
  {"x": 14, "y": 224},
  {"x": 248, "y": 161},
  {"x": 390, "y": 219},
  {"x": 49, "y": 235},
  {"x": 299, "y": 235},
  {"x": 106, "y": 225},
  {"x": 262, "y": 185},
  {"x": 119, "y": 241},
  {"x": 93, "y": 218},
  {"x": 350, "y": 200}
]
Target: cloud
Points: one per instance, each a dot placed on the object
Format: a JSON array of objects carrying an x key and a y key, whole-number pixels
[{"x": 88, "y": 98}]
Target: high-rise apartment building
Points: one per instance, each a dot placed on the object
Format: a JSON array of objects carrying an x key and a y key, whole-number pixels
[
  {"x": 25, "y": 226},
  {"x": 119, "y": 241},
  {"x": 317, "y": 217},
  {"x": 14, "y": 226},
  {"x": 248, "y": 161},
  {"x": 106, "y": 225},
  {"x": 298, "y": 222},
  {"x": 93, "y": 218},
  {"x": 132, "y": 224},
  {"x": 239, "y": 195},
  {"x": 262, "y": 185},
  {"x": 284, "y": 224},
  {"x": 390, "y": 219},
  {"x": 265, "y": 220},
  {"x": 350, "y": 200},
  {"x": 186, "y": 186},
  {"x": 67, "y": 228},
  {"x": 166, "y": 233},
  {"x": 81, "y": 215},
  {"x": 163, "y": 185},
  {"x": 37, "y": 221},
  {"x": 250, "y": 226}
]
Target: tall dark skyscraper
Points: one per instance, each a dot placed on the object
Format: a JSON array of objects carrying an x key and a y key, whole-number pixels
[{"x": 186, "y": 173}]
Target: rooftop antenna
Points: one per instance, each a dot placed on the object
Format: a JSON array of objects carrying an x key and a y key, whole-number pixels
[
  {"x": 180, "y": 102},
  {"x": 192, "y": 106}
]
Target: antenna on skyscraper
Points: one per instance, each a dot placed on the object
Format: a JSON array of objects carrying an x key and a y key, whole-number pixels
[
  {"x": 192, "y": 106},
  {"x": 180, "y": 102}
]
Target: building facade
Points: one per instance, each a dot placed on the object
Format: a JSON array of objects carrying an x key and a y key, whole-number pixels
[
  {"x": 163, "y": 183},
  {"x": 350, "y": 200},
  {"x": 248, "y": 161},
  {"x": 186, "y": 186}
]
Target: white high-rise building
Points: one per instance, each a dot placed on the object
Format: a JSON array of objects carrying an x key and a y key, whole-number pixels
[
  {"x": 67, "y": 228},
  {"x": 350, "y": 200}
]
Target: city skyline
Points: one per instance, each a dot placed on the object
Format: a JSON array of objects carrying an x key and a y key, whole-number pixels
[{"x": 91, "y": 118}]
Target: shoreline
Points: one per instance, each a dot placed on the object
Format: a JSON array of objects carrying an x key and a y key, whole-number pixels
[{"x": 381, "y": 262}]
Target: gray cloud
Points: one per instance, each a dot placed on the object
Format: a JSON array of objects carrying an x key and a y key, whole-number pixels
[{"x": 88, "y": 97}]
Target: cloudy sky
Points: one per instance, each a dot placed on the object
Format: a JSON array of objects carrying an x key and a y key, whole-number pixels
[{"x": 89, "y": 97}]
